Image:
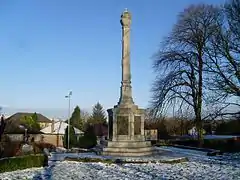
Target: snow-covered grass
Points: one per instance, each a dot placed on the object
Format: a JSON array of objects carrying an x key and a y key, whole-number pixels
[
  {"x": 220, "y": 137},
  {"x": 194, "y": 155},
  {"x": 199, "y": 167},
  {"x": 99, "y": 171}
]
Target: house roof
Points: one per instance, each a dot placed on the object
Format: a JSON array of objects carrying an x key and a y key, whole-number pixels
[
  {"x": 13, "y": 122},
  {"x": 59, "y": 127},
  {"x": 19, "y": 115}
]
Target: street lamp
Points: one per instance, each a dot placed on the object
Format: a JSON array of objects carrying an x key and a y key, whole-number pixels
[{"x": 69, "y": 103}]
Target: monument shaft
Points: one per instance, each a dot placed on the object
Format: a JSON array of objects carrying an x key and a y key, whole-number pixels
[
  {"x": 126, "y": 88},
  {"x": 126, "y": 76}
]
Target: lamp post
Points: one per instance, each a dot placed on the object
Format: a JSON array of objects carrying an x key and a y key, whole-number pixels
[{"x": 69, "y": 103}]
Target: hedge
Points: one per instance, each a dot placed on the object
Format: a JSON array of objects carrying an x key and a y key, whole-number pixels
[
  {"x": 20, "y": 162},
  {"x": 224, "y": 145}
]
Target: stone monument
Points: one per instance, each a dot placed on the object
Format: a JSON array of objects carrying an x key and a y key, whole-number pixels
[{"x": 126, "y": 120}]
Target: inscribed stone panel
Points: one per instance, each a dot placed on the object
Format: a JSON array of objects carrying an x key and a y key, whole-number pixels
[
  {"x": 137, "y": 125},
  {"x": 122, "y": 125}
]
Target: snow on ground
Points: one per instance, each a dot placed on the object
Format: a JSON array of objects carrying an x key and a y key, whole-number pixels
[
  {"x": 99, "y": 171},
  {"x": 199, "y": 167},
  {"x": 232, "y": 159}
]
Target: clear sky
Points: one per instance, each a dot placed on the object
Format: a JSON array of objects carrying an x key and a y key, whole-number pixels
[{"x": 48, "y": 47}]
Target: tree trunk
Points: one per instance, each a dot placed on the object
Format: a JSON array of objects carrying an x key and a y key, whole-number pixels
[
  {"x": 199, "y": 128},
  {"x": 199, "y": 97}
]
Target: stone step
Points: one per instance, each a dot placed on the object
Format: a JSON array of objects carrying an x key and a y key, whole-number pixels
[
  {"x": 130, "y": 150},
  {"x": 128, "y": 144},
  {"x": 127, "y": 154}
]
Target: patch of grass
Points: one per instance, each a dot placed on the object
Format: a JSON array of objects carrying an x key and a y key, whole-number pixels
[
  {"x": 20, "y": 163},
  {"x": 92, "y": 160},
  {"x": 122, "y": 161},
  {"x": 163, "y": 143},
  {"x": 174, "y": 161}
]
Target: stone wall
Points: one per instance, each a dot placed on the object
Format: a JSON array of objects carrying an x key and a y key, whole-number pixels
[
  {"x": 54, "y": 139},
  {"x": 19, "y": 137}
]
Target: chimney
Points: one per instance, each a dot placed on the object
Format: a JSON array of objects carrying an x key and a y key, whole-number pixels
[{"x": 52, "y": 126}]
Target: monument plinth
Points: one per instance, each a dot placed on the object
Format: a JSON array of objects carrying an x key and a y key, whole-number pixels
[{"x": 126, "y": 120}]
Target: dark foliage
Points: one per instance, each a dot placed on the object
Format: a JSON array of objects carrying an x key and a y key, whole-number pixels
[
  {"x": 89, "y": 140},
  {"x": 225, "y": 145},
  {"x": 2, "y": 127},
  {"x": 98, "y": 115},
  {"x": 229, "y": 128},
  {"x": 100, "y": 129},
  {"x": 76, "y": 119},
  {"x": 73, "y": 138}
]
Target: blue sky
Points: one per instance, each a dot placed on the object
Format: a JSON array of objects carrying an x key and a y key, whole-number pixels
[{"x": 48, "y": 47}]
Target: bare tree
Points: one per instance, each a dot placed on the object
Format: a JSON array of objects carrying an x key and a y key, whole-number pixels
[
  {"x": 184, "y": 119},
  {"x": 85, "y": 115},
  {"x": 179, "y": 64},
  {"x": 224, "y": 57}
]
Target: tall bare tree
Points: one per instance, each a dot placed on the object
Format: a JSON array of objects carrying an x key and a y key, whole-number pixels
[
  {"x": 179, "y": 64},
  {"x": 224, "y": 57}
]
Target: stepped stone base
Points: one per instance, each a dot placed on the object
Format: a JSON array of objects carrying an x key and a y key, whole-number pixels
[{"x": 128, "y": 148}]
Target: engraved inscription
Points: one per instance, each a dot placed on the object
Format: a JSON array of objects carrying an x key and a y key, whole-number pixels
[
  {"x": 137, "y": 125},
  {"x": 122, "y": 125}
]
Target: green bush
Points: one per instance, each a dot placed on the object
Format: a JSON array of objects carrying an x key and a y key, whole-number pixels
[
  {"x": 20, "y": 162},
  {"x": 89, "y": 140}
]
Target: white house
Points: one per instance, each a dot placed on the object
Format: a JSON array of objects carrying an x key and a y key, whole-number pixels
[
  {"x": 59, "y": 127},
  {"x": 193, "y": 132},
  {"x": 54, "y": 133}
]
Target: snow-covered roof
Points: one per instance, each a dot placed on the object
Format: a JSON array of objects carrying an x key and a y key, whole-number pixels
[{"x": 59, "y": 128}]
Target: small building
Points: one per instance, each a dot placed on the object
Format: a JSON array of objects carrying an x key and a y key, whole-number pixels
[
  {"x": 54, "y": 133},
  {"x": 193, "y": 132},
  {"x": 151, "y": 134}
]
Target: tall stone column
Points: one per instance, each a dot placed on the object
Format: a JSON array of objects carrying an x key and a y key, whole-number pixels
[
  {"x": 126, "y": 88},
  {"x": 126, "y": 120}
]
